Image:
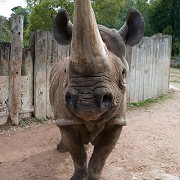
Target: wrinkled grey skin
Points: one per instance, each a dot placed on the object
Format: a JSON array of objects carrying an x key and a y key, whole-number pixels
[{"x": 90, "y": 105}]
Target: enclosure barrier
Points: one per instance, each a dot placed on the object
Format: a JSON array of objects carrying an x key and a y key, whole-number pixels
[{"x": 149, "y": 64}]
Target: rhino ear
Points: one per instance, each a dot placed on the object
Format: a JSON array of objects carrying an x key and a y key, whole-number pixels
[
  {"x": 133, "y": 29},
  {"x": 62, "y": 28}
]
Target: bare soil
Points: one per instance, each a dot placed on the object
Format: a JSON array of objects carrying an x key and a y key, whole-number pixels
[{"x": 148, "y": 149}]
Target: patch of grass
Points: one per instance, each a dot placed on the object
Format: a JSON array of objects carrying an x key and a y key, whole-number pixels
[
  {"x": 175, "y": 75},
  {"x": 27, "y": 121},
  {"x": 23, "y": 123},
  {"x": 175, "y": 70},
  {"x": 175, "y": 81},
  {"x": 41, "y": 119},
  {"x": 149, "y": 101}
]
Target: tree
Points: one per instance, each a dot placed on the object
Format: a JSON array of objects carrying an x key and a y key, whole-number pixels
[
  {"x": 159, "y": 15},
  {"x": 43, "y": 13},
  {"x": 165, "y": 18},
  {"x": 32, "y": 3},
  {"x": 145, "y": 8},
  {"x": 5, "y": 29},
  {"x": 107, "y": 12}
]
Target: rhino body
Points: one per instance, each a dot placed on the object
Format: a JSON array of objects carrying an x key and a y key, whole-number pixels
[{"x": 88, "y": 89}]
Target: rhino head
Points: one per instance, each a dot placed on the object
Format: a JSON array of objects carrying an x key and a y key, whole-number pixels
[{"x": 97, "y": 67}]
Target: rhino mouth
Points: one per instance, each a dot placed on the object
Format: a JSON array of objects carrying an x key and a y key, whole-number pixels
[{"x": 88, "y": 115}]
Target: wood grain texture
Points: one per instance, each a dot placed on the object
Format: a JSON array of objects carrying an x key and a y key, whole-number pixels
[{"x": 15, "y": 68}]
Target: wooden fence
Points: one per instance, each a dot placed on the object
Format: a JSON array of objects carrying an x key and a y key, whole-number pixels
[{"x": 149, "y": 63}]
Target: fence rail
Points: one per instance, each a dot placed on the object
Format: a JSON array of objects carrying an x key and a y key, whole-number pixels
[{"x": 149, "y": 64}]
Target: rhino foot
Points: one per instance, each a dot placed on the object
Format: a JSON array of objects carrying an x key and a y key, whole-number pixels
[{"x": 79, "y": 175}]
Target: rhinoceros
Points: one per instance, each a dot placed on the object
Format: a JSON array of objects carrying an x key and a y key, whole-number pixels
[{"x": 88, "y": 88}]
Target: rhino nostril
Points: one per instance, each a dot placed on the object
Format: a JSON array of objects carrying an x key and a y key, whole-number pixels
[
  {"x": 71, "y": 100},
  {"x": 106, "y": 100},
  {"x": 68, "y": 99}
]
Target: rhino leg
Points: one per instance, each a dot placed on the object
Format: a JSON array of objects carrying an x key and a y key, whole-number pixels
[
  {"x": 61, "y": 147},
  {"x": 75, "y": 146},
  {"x": 103, "y": 145}
]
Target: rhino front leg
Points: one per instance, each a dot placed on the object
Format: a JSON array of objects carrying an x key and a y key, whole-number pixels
[
  {"x": 103, "y": 145},
  {"x": 61, "y": 146},
  {"x": 72, "y": 140}
]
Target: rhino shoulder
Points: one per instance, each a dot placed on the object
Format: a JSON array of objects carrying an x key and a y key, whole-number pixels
[{"x": 57, "y": 78}]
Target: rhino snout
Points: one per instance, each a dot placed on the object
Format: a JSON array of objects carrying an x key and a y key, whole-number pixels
[{"x": 89, "y": 106}]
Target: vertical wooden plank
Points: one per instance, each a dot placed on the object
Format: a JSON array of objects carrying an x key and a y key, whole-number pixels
[
  {"x": 158, "y": 66},
  {"x": 52, "y": 58},
  {"x": 149, "y": 67},
  {"x": 4, "y": 99},
  {"x": 137, "y": 73},
  {"x": 161, "y": 57},
  {"x": 168, "y": 60},
  {"x": 146, "y": 84},
  {"x": 141, "y": 69},
  {"x": 40, "y": 93},
  {"x": 166, "y": 56},
  {"x": 15, "y": 68},
  {"x": 32, "y": 45},
  {"x": 155, "y": 66},
  {"x": 27, "y": 63},
  {"x": 129, "y": 58},
  {"x": 152, "y": 65},
  {"x": 132, "y": 75},
  {"x": 27, "y": 84}
]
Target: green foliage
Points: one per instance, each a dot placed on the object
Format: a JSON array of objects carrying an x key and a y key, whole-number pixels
[
  {"x": 32, "y": 3},
  {"x": 160, "y": 16},
  {"x": 43, "y": 13},
  {"x": 28, "y": 121},
  {"x": 165, "y": 18},
  {"x": 107, "y": 12},
  {"x": 150, "y": 101},
  {"x": 5, "y": 29},
  {"x": 175, "y": 75},
  {"x": 145, "y": 10}
]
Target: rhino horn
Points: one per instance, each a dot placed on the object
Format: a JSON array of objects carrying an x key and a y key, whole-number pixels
[{"x": 88, "y": 51}]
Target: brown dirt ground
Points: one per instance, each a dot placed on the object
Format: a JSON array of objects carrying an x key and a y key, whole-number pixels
[{"x": 148, "y": 149}]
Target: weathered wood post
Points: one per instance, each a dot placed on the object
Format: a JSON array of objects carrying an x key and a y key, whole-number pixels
[
  {"x": 40, "y": 74},
  {"x": 15, "y": 67}
]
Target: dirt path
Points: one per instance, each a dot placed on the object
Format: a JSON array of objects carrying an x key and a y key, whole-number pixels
[{"x": 149, "y": 148}]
